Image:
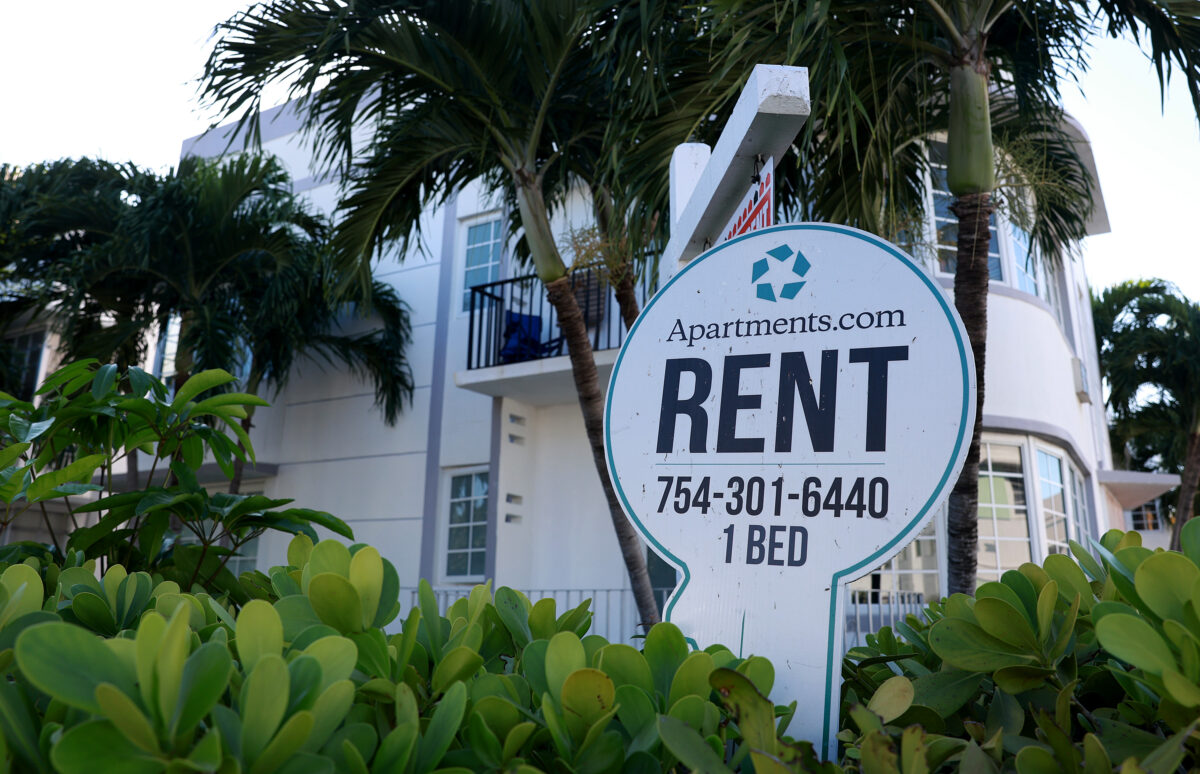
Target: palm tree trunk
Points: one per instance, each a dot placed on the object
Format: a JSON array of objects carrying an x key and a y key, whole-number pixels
[
  {"x": 591, "y": 403},
  {"x": 970, "y": 298},
  {"x": 626, "y": 291},
  {"x": 1187, "y": 489}
]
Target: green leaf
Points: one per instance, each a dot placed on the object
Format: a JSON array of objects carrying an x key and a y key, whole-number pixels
[
  {"x": 1134, "y": 641},
  {"x": 635, "y": 709},
  {"x": 329, "y": 711},
  {"x": 396, "y": 748},
  {"x": 964, "y": 645},
  {"x": 259, "y": 632},
  {"x": 626, "y": 666},
  {"x": 588, "y": 697},
  {"x": 760, "y": 671},
  {"x": 98, "y": 746},
  {"x": 106, "y": 377},
  {"x": 205, "y": 676},
  {"x": 10, "y": 454},
  {"x": 124, "y": 714},
  {"x": 366, "y": 575},
  {"x": 25, "y": 592},
  {"x": 691, "y": 679},
  {"x": 198, "y": 383},
  {"x": 327, "y": 556},
  {"x": 946, "y": 691},
  {"x": 755, "y": 713},
  {"x": 1018, "y": 679},
  {"x": 264, "y": 700},
  {"x": 24, "y": 430},
  {"x": 207, "y": 405},
  {"x": 892, "y": 699},
  {"x": 1189, "y": 539},
  {"x": 171, "y": 656},
  {"x": 664, "y": 650},
  {"x": 79, "y": 471},
  {"x": 542, "y": 620},
  {"x": 514, "y": 609},
  {"x": 564, "y": 655},
  {"x": 68, "y": 663},
  {"x": 689, "y": 747},
  {"x": 288, "y": 741},
  {"x": 336, "y": 602},
  {"x": 1164, "y": 581},
  {"x": 456, "y": 666},
  {"x": 442, "y": 728},
  {"x": 1005, "y": 622},
  {"x": 337, "y": 655}
]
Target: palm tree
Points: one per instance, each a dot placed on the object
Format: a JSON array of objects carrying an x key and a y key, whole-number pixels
[
  {"x": 224, "y": 248},
  {"x": 300, "y": 313},
  {"x": 987, "y": 74},
  {"x": 1149, "y": 338},
  {"x": 516, "y": 94}
]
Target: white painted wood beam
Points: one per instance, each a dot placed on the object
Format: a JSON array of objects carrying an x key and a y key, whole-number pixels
[{"x": 769, "y": 113}]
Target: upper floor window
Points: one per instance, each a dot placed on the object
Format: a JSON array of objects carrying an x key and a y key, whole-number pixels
[
  {"x": 484, "y": 245},
  {"x": 945, "y": 222},
  {"x": 26, "y": 353}
]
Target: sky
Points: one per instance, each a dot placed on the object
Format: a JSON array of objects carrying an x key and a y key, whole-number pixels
[{"x": 117, "y": 80}]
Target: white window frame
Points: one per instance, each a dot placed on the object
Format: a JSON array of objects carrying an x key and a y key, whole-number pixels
[
  {"x": 443, "y": 536},
  {"x": 462, "y": 302}
]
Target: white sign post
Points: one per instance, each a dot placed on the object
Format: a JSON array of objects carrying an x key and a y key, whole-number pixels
[
  {"x": 757, "y": 208},
  {"x": 785, "y": 415}
]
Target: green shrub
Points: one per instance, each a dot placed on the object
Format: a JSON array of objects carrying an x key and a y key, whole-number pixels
[
  {"x": 88, "y": 421},
  {"x": 1074, "y": 666},
  {"x": 130, "y": 673}
]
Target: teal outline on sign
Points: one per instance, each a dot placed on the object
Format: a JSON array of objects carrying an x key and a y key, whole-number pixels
[{"x": 964, "y": 428}]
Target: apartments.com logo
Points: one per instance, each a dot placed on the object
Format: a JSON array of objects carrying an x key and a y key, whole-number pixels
[{"x": 779, "y": 270}]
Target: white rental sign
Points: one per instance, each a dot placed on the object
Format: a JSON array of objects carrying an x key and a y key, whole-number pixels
[{"x": 787, "y": 414}]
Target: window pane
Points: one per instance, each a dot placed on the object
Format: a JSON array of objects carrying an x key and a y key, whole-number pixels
[
  {"x": 1005, "y": 459},
  {"x": 478, "y": 563},
  {"x": 458, "y": 537},
  {"x": 479, "y": 536},
  {"x": 460, "y": 513},
  {"x": 460, "y": 486},
  {"x": 479, "y": 511},
  {"x": 1013, "y": 553},
  {"x": 481, "y": 484},
  {"x": 456, "y": 564},
  {"x": 479, "y": 255}
]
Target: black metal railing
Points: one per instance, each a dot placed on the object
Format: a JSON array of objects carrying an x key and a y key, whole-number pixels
[{"x": 512, "y": 321}]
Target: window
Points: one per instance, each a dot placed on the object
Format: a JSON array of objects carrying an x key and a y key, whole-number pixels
[
  {"x": 246, "y": 559},
  {"x": 168, "y": 349},
  {"x": 946, "y": 222},
  {"x": 912, "y": 573},
  {"x": 1079, "y": 513},
  {"x": 26, "y": 353},
  {"x": 1025, "y": 258},
  {"x": 466, "y": 535},
  {"x": 484, "y": 244},
  {"x": 1054, "y": 502},
  {"x": 1003, "y": 511},
  {"x": 1147, "y": 516}
]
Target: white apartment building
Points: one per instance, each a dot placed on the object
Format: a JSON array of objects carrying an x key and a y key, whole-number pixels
[{"x": 488, "y": 474}]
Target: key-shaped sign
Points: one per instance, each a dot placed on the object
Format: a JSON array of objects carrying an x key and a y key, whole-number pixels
[{"x": 785, "y": 415}]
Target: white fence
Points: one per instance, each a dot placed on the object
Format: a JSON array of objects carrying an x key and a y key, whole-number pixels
[{"x": 615, "y": 615}]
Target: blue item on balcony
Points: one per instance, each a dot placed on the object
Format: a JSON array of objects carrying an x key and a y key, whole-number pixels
[{"x": 523, "y": 339}]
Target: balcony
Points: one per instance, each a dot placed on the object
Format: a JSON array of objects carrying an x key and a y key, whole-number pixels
[{"x": 515, "y": 347}]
